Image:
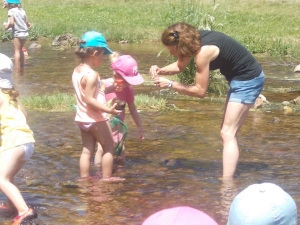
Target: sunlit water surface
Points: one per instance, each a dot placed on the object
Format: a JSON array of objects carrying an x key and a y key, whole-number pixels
[{"x": 178, "y": 163}]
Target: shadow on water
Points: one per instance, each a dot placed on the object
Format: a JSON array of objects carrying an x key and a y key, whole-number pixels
[{"x": 178, "y": 163}]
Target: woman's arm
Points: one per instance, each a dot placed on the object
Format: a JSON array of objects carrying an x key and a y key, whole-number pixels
[
  {"x": 199, "y": 89},
  {"x": 171, "y": 69},
  {"x": 136, "y": 118}
]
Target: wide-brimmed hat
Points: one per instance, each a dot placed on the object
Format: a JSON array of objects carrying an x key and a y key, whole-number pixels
[
  {"x": 182, "y": 215},
  {"x": 6, "y": 70},
  {"x": 127, "y": 67},
  {"x": 263, "y": 204},
  {"x": 95, "y": 39}
]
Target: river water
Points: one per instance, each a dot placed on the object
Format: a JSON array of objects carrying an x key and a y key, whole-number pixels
[{"x": 177, "y": 164}]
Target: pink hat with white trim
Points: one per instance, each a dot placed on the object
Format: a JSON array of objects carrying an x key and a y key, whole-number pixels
[
  {"x": 183, "y": 215},
  {"x": 127, "y": 67}
]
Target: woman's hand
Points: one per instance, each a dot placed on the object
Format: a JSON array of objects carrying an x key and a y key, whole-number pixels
[
  {"x": 154, "y": 70},
  {"x": 161, "y": 82}
]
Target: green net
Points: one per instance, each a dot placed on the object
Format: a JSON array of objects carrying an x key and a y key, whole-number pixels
[{"x": 119, "y": 132}]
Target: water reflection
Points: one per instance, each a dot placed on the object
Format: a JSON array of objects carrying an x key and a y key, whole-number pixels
[{"x": 178, "y": 163}]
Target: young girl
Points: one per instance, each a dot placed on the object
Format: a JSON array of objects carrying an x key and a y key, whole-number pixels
[
  {"x": 16, "y": 144},
  {"x": 125, "y": 74},
  {"x": 18, "y": 21},
  {"x": 91, "y": 109}
]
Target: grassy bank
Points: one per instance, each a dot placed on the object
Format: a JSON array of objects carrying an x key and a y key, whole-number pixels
[
  {"x": 264, "y": 26},
  {"x": 64, "y": 102}
]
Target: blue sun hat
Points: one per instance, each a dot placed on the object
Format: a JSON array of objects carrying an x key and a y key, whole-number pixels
[
  {"x": 95, "y": 39},
  {"x": 263, "y": 204},
  {"x": 13, "y": 1}
]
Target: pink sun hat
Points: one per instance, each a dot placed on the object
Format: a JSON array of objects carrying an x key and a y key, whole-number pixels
[
  {"x": 182, "y": 215},
  {"x": 127, "y": 67}
]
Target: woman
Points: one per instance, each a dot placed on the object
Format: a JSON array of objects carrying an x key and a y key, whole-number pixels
[{"x": 214, "y": 50}]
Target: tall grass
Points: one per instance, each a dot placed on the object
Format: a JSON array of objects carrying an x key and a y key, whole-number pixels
[{"x": 264, "y": 26}]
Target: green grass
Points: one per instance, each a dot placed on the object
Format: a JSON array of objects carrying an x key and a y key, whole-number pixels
[
  {"x": 264, "y": 26},
  {"x": 63, "y": 102},
  {"x": 56, "y": 102}
]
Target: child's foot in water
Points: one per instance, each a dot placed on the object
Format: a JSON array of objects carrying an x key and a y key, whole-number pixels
[
  {"x": 29, "y": 215},
  {"x": 113, "y": 179}
]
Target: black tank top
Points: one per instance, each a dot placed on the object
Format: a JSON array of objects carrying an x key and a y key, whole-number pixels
[{"x": 234, "y": 60}]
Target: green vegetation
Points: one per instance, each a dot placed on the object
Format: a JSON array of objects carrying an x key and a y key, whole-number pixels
[
  {"x": 59, "y": 102},
  {"x": 264, "y": 26},
  {"x": 54, "y": 103}
]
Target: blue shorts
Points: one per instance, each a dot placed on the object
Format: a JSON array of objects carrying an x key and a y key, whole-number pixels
[{"x": 246, "y": 91}]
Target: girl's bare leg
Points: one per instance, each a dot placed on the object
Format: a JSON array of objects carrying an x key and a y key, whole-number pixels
[
  {"x": 121, "y": 160},
  {"x": 234, "y": 116},
  {"x": 98, "y": 155},
  {"x": 19, "y": 54},
  {"x": 102, "y": 132},
  {"x": 88, "y": 142},
  {"x": 11, "y": 161}
]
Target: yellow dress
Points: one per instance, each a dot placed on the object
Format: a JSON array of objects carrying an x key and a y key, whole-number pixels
[{"x": 13, "y": 126}]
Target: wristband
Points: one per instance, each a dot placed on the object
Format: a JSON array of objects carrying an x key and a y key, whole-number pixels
[{"x": 170, "y": 84}]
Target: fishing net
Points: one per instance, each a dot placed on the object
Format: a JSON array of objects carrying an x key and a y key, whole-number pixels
[{"x": 119, "y": 132}]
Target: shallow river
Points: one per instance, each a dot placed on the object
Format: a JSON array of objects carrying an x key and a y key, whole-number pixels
[{"x": 178, "y": 163}]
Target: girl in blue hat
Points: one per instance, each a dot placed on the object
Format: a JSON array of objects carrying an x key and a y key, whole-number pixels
[
  {"x": 91, "y": 110},
  {"x": 18, "y": 21}
]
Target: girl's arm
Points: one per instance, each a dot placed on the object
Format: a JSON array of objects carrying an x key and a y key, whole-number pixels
[
  {"x": 22, "y": 108},
  {"x": 10, "y": 23},
  {"x": 136, "y": 118},
  {"x": 91, "y": 81},
  {"x": 110, "y": 89},
  {"x": 27, "y": 23}
]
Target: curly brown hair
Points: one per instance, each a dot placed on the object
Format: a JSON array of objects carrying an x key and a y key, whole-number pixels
[
  {"x": 184, "y": 36},
  {"x": 13, "y": 94},
  {"x": 86, "y": 52}
]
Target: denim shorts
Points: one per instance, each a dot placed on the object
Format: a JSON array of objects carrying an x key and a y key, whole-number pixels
[{"x": 246, "y": 91}]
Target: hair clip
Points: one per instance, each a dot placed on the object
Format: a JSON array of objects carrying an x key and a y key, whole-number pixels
[
  {"x": 176, "y": 35},
  {"x": 82, "y": 43}
]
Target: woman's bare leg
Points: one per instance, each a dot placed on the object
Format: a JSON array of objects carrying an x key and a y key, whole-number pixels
[{"x": 234, "y": 116}]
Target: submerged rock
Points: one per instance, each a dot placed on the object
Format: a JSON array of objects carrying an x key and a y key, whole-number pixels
[
  {"x": 296, "y": 101},
  {"x": 35, "y": 45},
  {"x": 65, "y": 41},
  {"x": 287, "y": 110},
  {"x": 260, "y": 101},
  {"x": 297, "y": 69}
]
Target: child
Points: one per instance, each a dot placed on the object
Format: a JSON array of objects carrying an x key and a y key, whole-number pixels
[
  {"x": 91, "y": 109},
  {"x": 264, "y": 203},
  {"x": 125, "y": 74},
  {"x": 16, "y": 144},
  {"x": 18, "y": 21}
]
